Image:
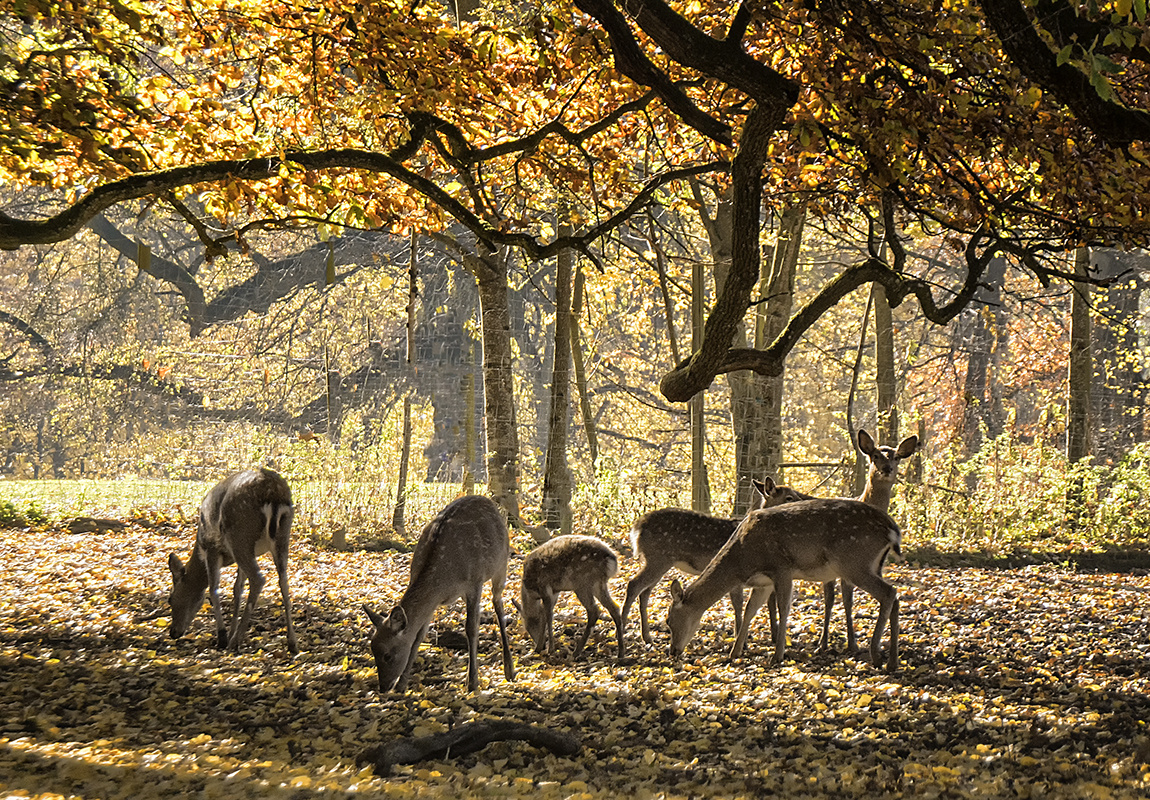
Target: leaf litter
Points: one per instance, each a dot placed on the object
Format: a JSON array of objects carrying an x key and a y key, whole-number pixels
[{"x": 1031, "y": 682}]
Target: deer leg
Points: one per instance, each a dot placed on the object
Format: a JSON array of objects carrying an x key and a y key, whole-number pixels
[
  {"x": 472, "y": 624},
  {"x": 401, "y": 684},
  {"x": 782, "y": 589},
  {"x": 848, "y": 614},
  {"x": 828, "y": 607},
  {"x": 280, "y": 556},
  {"x": 497, "y": 603},
  {"x": 212, "y": 562},
  {"x": 759, "y": 595},
  {"x": 887, "y": 598},
  {"x": 604, "y": 595},
  {"x": 639, "y": 588},
  {"x": 549, "y": 621},
  {"x": 588, "y": 600},
  {"x": 773, "y": 613},
  {"x": 237, "y": 598},
  {"x": 256, "y": 580},
  {"x": 737, "y": 605}
]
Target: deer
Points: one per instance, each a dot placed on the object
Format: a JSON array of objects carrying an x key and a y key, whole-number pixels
[
  {"x": 464, "y": 547},
  {"x": 573, "y": 563},
  {"x": 881, "y": 478},
  {"x": 243, "y": 516},
  {"x": 688, "y": 540},
  {"x": 819, "y": 540}
]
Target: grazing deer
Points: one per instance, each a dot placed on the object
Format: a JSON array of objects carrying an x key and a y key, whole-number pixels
[
  {"x": 580, "y": 564},
  {"x": 676, "y": 537},
  {"x": 880, "y": 480},
  {"x": 818, "y": 540},
  {"x": 464, "y": 547},
  {"x": 241, "y": 517}
]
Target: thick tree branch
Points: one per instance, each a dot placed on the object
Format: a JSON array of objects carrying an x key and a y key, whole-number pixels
[
  {"x": 633, "y": 62},
  {"x": 1112, "y": 122}
]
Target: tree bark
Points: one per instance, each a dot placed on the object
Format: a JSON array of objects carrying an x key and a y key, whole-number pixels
[
  {"x": 581, "y": 373},
  {"x": 397, "y": 517},
  {"x": 886, "y": 382},
  {"x": 556, "y": 472}
]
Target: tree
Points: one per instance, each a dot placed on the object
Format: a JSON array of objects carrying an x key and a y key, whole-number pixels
[{"x": 899, "y": 102}]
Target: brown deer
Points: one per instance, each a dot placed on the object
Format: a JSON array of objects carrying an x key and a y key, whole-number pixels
[
  {"x": 579, "y": 564},
  {"x": 241, "y": 517},
  {"x": 880, "y": 480},
  {"x": 463, "y": 548},
  {"x": 818, "y": 540},
  {"x": 688, "y": 540}
]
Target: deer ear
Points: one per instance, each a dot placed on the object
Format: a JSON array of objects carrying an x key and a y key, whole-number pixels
[
  {"x": 397, "y": 620},
  {"x": 761, "y": 486},
  {"x": 908, "y": 447},
  {"x": 374, "y": 616},
  {"x": 866, "y": 443},
  {"x": 676, "y": 591},
  {"x": 176, "y": 567}
]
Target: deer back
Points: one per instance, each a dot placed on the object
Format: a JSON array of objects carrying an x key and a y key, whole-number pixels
[
  {"x": 464, "y": 546},
  {"x": 565, "y": 563},
  {"x": 818, "y": 539}
]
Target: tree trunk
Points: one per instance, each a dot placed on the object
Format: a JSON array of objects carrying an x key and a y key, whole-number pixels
[
  {"x": 397, "y": 517},
  {"x": 581, "y": 373},
  {"x": 556, "y": 472},
  {"x": 700, "y": 486},
  {"x": 1080, "y": 373},
  {"x": 983, "y": 404},
  {"x": 886, "y": 382},
  {"x": 498, "y": 384}
]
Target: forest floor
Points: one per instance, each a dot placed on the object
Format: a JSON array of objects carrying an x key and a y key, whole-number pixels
[{"x": 1030, "y": 681}]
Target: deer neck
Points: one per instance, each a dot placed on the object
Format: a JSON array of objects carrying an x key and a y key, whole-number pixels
[
  {"x": 196, "y": 572},
  {"x": 715, "y": 582},
  {"x": 877, "y": 492}
]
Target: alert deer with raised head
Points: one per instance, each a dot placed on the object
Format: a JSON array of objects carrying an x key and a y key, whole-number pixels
[
  {"x": 688, "y": 540},
  {"x": 463, "y": 548},
  {"x": 579, "y": 564},
  {"x": 817, "y": 540},
  {"x": 241, "y": 517}
]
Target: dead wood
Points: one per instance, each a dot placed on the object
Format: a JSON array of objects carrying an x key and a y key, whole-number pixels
[{"x": 465, "y": 739}]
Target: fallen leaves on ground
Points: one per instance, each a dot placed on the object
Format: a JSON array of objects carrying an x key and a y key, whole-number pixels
[{"x": 1030, "y": 683}]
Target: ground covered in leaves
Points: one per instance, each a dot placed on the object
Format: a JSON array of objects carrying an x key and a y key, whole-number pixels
[{"x": 1032, "y": 682}]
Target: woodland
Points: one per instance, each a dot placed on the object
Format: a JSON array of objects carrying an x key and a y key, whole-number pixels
[{"x": 589, "y": 259}]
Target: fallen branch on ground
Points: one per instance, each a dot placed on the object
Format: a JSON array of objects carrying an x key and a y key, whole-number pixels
[{"x": 465, "y": 739}]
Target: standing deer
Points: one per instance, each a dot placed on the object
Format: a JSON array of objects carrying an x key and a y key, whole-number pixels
[
  {"x": 880, "y": 480},
  {"x": 463, "y": 548},
  {"x": 580, "y": 564},
  {"x": 676, "y": 537},
  {"x": 818, "y": 540},
  {"x": 241, "y": 517}
]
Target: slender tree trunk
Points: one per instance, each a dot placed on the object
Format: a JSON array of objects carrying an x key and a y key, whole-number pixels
[
  {"x": 556, "y": 472},
  {"x": 397, "y": 517},
  {"x": 886, "y": 382},
  {"x": 581, "y": 372},
  {"x": 700, "y": 486},
  {"x": 1081, "y": 368}
]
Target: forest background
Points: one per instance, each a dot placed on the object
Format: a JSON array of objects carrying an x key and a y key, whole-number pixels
[{"x": 328, "y": 318}]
